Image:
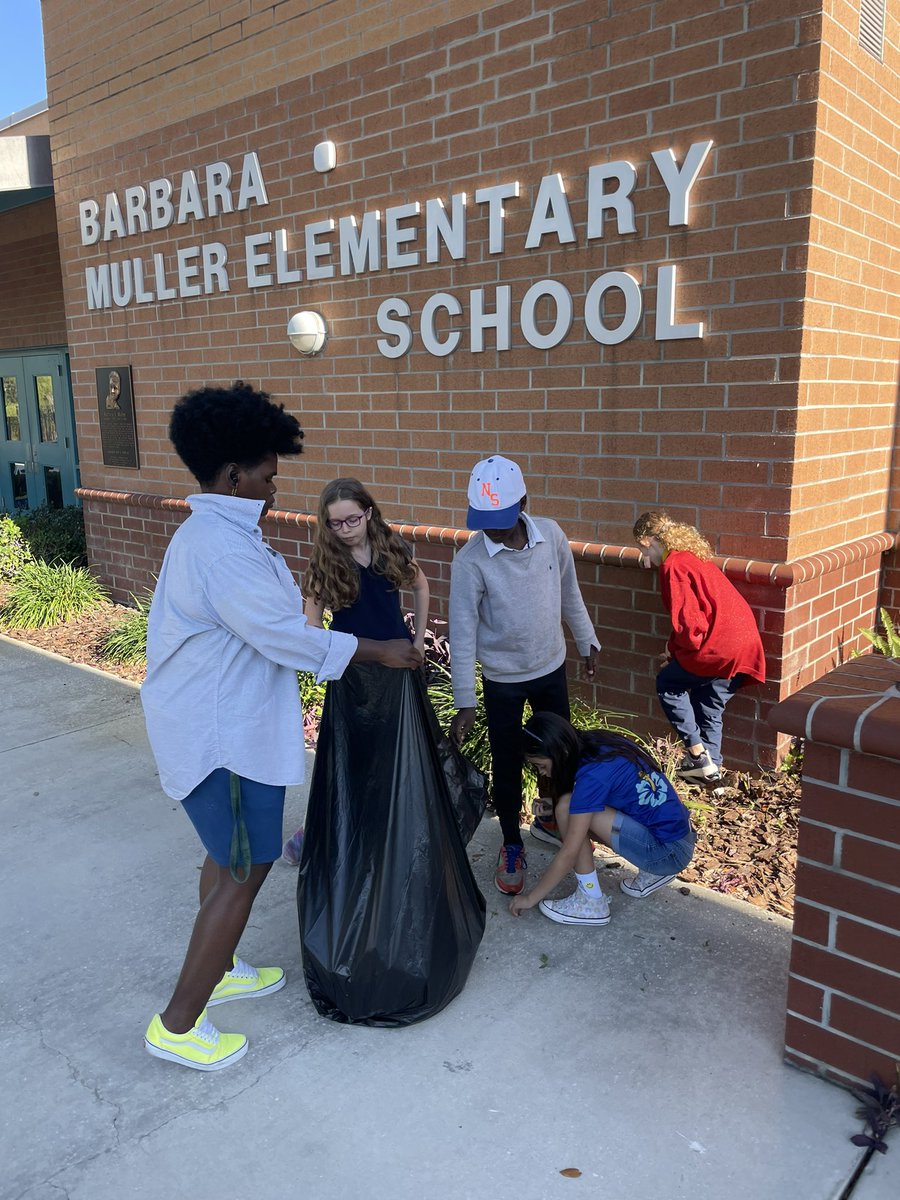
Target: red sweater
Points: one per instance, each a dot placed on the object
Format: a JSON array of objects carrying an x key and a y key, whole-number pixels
[{"x": 714, "y": 631}]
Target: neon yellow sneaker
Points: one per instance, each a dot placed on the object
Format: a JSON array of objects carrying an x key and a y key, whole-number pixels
[
  {"x": 203, "y": 1047},
  {"x": 244, "y": 980}
]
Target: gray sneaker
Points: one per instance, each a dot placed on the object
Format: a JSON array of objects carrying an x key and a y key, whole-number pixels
[
  {"x": 699, "y": 769},
  {"x": 644, "y": 883}
]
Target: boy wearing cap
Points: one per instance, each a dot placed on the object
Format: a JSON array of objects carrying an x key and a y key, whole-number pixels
[{"x": 510, "y": 590}]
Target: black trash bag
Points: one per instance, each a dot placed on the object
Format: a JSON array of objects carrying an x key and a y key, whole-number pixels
[
  {"x": 390, "y": 914},
  {"x": 466, "y": 784}
]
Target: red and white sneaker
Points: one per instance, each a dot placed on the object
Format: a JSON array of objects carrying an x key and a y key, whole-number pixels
[{"x": 509, "y": 876}]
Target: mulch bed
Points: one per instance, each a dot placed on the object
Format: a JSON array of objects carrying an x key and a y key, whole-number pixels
[
  {"x": 81, "y": 640},
  {"x": 747, "y": 843},
  {"x": 746, "y": 839}
]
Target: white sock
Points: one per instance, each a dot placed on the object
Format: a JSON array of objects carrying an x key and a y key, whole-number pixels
[{"x": 589, "y": 884}]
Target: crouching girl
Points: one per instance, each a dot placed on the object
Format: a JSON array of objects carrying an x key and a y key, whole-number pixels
[{"x": 606, "y": 788}]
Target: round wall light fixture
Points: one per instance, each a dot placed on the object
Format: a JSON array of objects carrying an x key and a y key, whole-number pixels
[
  {"x": 325, "y": 157},
  {"x": 307, "y": 332}
]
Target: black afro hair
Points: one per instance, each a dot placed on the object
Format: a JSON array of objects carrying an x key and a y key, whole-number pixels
[{"x": 215, "y": 426}]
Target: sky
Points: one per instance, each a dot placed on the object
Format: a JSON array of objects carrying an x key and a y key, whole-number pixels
[{"x": 22, "y": 80}]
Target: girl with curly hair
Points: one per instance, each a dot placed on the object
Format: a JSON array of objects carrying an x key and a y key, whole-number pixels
[
  {"x": 358, "y": 566},
  {"x": 604, "y": 787},
  {"x": 390, "y": 914},
  {"x": 714, "y": 648}
]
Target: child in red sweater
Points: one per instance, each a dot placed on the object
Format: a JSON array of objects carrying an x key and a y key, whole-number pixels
[{"x": 714, "y": 647}]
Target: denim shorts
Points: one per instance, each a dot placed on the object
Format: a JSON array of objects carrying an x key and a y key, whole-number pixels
[
  {"x": 262, "y": 807},
  {"x": 635, "y": 842}
]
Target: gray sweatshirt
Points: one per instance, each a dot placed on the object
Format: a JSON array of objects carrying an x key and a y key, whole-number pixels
[{"x": 507, "y": 609}]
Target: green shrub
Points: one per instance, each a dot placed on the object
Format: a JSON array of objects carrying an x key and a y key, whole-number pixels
[
  {"x": 55, "y": 534},
  {"x": 44, "y": 594},
  {"x": 476, "y": 747},
  {"x": 14, "y": 550},
  {"x": 127, "y": 643},
  {"x": 583, "y": 716},
  {"x": 792, "y": 763},
  {"x": 312, "y": 697}
]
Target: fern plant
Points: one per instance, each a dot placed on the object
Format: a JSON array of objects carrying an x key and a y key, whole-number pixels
[
  {"x": 44, "y": 594},
  {"x": 888, "y": 641},
  {"x": 127, "y": 643}
]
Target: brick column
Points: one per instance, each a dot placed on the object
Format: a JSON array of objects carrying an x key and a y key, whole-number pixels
[{"x": 843, "y": 1018}]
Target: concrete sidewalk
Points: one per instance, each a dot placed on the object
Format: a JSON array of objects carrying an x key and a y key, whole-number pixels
[{"x": 646, "y": 1054}]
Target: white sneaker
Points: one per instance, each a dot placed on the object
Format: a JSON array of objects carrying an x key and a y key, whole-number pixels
[
  {"x": 644, "y": 883},
  {"x": 577, "y": 909}
]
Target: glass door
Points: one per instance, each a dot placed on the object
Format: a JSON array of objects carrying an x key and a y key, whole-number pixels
[{"x": 37, "y": 446}]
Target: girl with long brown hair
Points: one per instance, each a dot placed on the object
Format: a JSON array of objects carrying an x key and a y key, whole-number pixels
[
  {"x": 390, "y": 914},
  {"x": 359, "y": 564}
]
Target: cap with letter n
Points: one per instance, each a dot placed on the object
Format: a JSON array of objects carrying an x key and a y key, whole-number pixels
[{"x": 496, "y": 488}]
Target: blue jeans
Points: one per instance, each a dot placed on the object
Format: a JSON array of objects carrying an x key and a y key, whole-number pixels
[
  {"x": 635, "y": 842},
  {"x": 695, "y": 705}
]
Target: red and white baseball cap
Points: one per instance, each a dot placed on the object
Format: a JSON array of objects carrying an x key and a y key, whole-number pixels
[{"x": 496, "y": 488}]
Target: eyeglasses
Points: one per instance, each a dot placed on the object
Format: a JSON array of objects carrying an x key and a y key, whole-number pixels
[{"x": 351, "y": 522}]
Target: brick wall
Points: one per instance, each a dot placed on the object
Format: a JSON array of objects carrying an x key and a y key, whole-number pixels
[
  {"x": 424, "y": 103},
  {"x": 822, "y": 624},
  {"x": 889, "y": 597},
  {"x": 32, "y": 313},
  {"x": 844, "y": 988},
  {"x": 847, "y": 402},
  {"x": 513, "y": 92}
]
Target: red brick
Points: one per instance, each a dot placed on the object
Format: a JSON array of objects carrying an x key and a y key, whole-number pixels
[
  {"x": 834, "y": 806},
  {"x": 865, "y": 1024},
  {"x": 816, "y": 843},
  {"x": 868, "y": 984},
  {"x": 878, "y": 863},
  {"x": 811, "y": 923},
  {"x": 875, "y": 946},
  {"x": 835, "y": 1051},
  {"x": 879, "y": 777},
  {"x": 805, "y": 999}
]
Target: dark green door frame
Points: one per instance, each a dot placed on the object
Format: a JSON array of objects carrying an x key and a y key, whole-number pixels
[{"x": 38, "y": 452}]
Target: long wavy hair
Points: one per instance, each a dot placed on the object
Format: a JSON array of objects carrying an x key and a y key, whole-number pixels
[
  {"x": 332, "y": 576},
  {"x": 674, "y": 535},
  {"x": 547, "y": 735}
]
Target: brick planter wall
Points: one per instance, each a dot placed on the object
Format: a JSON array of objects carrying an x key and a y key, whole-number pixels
[{"x": 843, "y": 1018}]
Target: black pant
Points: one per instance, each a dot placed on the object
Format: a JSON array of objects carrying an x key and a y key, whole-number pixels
[{"x": 504, "y": 707}]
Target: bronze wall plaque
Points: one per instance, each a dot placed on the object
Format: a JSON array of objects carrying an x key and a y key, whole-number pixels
[{"x": 118, "y": 428}]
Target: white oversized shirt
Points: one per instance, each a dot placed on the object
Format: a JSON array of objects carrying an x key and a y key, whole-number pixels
[{"x": 225, "y": 639}]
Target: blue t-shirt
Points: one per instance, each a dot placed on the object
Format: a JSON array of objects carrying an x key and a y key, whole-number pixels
[
  {"x": 375, "y": 613},
  {"x": 644, "y": 794}
]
